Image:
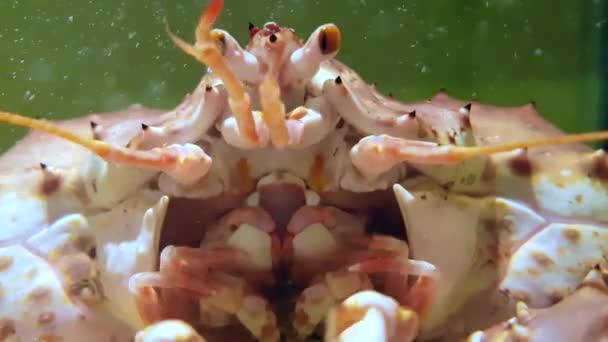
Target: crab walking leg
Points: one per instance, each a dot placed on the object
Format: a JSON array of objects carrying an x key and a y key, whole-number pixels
[
  {"x": 188, "y": 269},
  {"x": 376, "y": 154},
  {"x": 303, "y": 64},
  {"x": 371, "y": 316},
  {"x": 169, "y": 331},
  {"x": 316, "y": 300},
  {"x": 207, "y": 52},
  {"x": 187, "y": 163}
]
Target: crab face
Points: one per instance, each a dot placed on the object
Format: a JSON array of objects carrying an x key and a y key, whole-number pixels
[{"x": 285, "y": 192}]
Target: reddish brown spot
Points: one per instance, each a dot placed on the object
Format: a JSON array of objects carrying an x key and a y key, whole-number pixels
[
  {"x": 31, "y": 274},
  {"x": 533, "y": 272},
  {"x": 521, "y": 165},
  {"x": 5, "y": 262},
  {"x": 452, "y": 138},
  {"x": 40, "y": 293},
  {"x": 598, "y": 168},
  {"x": 572, "y": 235},
  {"x": 556, "y": 297},
  {"x": 542, "y": 259},
  {"x": 7, "y": 328},
  {"x": 301, "y": 318},
  {"x": 46, "y": 318},
  {"x": 243, "y": 176},
  {"x": 49, "y": 338},
  {"x": 268, "y": 333},
  {"x": 489, "y": 172},
  {"x": 466, "y": 121},
  {"x": 50, "y": 184}
]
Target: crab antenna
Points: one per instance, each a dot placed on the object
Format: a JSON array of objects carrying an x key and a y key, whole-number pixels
[
  {"x": 475, "y": 151},
  {"x": 207, "y": 52},
  {"x": 208, "y": 19},
  {"x": 152, "y": 159},
  {"x": 100, "y": 148}
]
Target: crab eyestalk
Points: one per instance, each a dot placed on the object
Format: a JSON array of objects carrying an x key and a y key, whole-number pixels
[{"x": 323, "y": 44}]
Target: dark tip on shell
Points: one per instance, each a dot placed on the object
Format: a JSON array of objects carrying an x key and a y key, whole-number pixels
[
  {"x": 251, "y": 26},
  {"x": 338, "y": 80},
  {"x": 467, "y": 107},
  {"x": 43, "y": 166},
  {"x": 144, "y": 126},
  {"x": 208, "y": 88},
  {"x": 273, "y": 38},
  {"x": 521, "y": 165},
  {"x": 93, "y": 125},
  {"x": 412, "y": 114}
]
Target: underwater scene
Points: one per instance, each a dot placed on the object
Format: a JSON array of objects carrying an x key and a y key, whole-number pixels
[
  {"x": 70, "y": 58},
  {"x": 290, "y": 170}
]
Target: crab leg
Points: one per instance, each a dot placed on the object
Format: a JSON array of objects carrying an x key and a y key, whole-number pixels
[
  {"x": 316, "y": 300},
  {"x": 371, "y": 316},
  {"x": 186, "y": 162},
  {"x": 184, "y": 268},
  {"x": 169, "y": 331},
  {"x": 374, "y": 155},
  {"x": 207, "y": 52}
]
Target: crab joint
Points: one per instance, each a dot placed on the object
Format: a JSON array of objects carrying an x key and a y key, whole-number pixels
[{"x": 188, "y": 160}]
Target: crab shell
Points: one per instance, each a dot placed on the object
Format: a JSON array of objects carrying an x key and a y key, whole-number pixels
[
  {"x": 581, "y": 316},
  {"x": 523, "y": 225}
]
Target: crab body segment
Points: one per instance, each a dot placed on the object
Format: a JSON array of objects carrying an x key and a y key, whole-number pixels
[{"x": 285, "y": 192}]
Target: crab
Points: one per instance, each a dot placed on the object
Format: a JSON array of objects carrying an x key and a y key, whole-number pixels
[{"x": 287, "y": 199}]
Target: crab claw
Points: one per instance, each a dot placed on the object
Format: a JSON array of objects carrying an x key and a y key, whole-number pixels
[
  {"x": 169, "y": 331},
  {"x": 371, "y": 316}
]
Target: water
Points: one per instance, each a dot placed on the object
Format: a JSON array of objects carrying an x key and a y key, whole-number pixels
[{"x": 69, "y": 57}]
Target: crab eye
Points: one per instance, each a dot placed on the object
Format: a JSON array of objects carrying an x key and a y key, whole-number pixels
[
  {"x": 329, "y": 39},
  {"x": 273, "y": 38}
]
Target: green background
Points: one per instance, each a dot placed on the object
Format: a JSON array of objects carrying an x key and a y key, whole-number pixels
[{"x": 65, "y": 58}]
